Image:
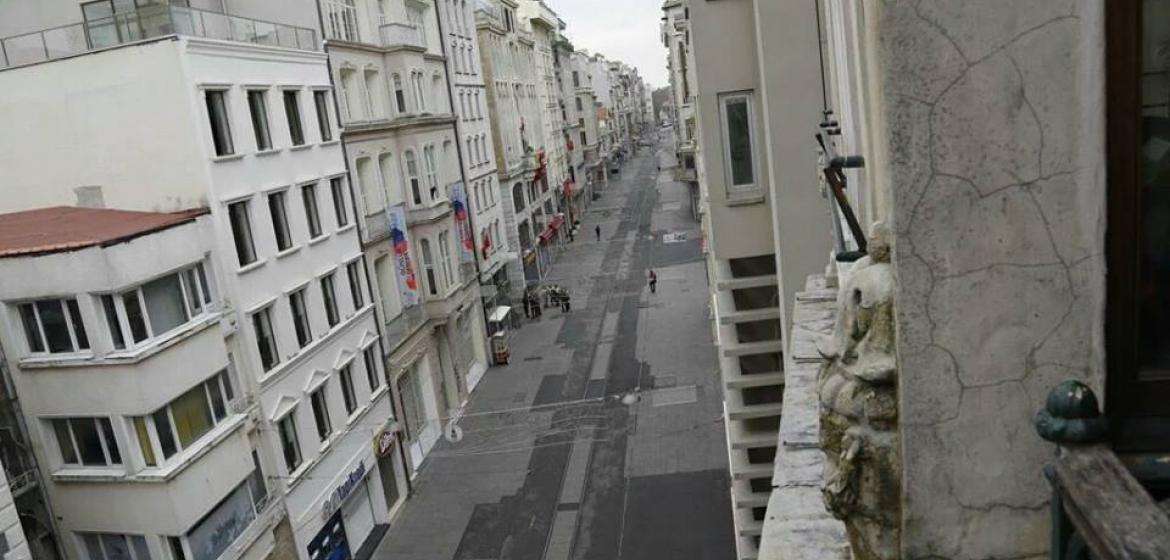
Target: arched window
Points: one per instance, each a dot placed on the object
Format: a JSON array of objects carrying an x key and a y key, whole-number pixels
[
  {"x": 350, "y": 97},
  {"x": 386, "y": 168},
  {"x": 371, "y": 198},
  {"x": 373, "y": 99},
  {"x": 445, "y": 258},
  {"x": 424, "y": 247},
  {"x": 471, "y": 160},
  {"x": 399, "y": 94},
  {"x": 432, "y": 178},
  {"x": 478, "y": 201},
  {"x": 412, "y": 176},
  {"x": 458, "y": 70}
]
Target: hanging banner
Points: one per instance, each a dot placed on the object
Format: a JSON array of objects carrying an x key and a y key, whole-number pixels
[
  {"x": 400, "y": 241},
  {"x": 462, "y": 223}
]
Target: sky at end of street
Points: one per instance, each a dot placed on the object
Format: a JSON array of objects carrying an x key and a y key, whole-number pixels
[{"x": 626, "y": 30}]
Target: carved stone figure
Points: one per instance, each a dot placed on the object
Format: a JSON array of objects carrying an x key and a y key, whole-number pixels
[{"x": 857, "y": 386}]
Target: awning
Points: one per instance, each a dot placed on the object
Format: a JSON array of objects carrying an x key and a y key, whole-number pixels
[
  {"x": 556, "y": 222},
  {"x": 547, "y": 234},
  {"x": 499, "y": 314}
]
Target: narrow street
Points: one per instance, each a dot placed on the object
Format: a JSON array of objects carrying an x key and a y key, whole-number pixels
[{"x": 602, "y": 439}]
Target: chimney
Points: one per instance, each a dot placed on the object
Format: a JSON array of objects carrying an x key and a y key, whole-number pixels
[{"x": 90, "y": 196}]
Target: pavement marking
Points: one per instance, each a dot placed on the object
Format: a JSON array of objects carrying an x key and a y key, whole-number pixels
[
  {"x": 600, "y": 366},
  {"x": 685, "y": 394},
  {"x": 573, "y": 484}
]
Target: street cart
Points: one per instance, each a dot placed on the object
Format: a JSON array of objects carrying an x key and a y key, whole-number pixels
[{"x": 499, "y": 328}]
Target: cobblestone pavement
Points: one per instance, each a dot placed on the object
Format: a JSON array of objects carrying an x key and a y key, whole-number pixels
[{"x": 603, "y": 438}]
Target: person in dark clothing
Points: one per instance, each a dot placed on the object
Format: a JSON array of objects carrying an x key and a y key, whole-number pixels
[
  {"x": 653, "y": 282},
  {"x": 597, "y": 230}
]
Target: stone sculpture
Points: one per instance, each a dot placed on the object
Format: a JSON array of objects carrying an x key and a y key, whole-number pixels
[{"x": 857, "y": 387}]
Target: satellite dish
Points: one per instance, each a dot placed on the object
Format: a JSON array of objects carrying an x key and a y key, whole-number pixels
[{"x": 453, "y": 433}]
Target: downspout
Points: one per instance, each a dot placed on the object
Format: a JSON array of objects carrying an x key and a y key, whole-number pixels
[{"x": 365, "y": 265}]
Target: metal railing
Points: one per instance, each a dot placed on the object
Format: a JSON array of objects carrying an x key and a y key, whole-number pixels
[
  {"x": 397, "y": 34},
  {"x": 147, "y": 23}
]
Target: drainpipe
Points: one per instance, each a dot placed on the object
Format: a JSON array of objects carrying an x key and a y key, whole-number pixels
[{"x": 365, "y": 265}]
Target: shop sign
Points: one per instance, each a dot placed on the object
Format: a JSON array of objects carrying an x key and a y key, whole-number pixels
[
  {"x": 339, "y": 494},
  {"x": 384, "y": 442}
]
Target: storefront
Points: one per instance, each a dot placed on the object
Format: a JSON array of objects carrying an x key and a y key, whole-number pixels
[{"x": 349, "y": 516}]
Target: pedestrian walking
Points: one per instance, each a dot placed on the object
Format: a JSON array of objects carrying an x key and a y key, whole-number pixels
[
  {"x": 597, "y": 230},
  {"x": 653, "y": 282}
]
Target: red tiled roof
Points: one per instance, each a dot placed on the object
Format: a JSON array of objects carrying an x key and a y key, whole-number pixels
[{"x": 66, "y": 228}]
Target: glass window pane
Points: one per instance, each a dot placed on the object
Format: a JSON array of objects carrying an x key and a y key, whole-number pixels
[
  {"x": 112, "y": 322},
  {"x": 93, "y": 546},
  {"x": 134, "y": 316},
  {"x": 309, "y": 196},
  {"x": 1153, "y": 295},
  {"x": 292, "y": 110},
  {"x": 111, "y": 441},
  {"x": 192, "y": 416},
  {"x": 116, "y": 547},
  {"x": 218, "y": 408},
  {"x": 143, "y": 435},
  {"x": 89, "y": 444},
  {"x": 347, "y": 392},
  {"x": 289, "y": 443},
  {"x": 203, "y": 283},
  {"x": 78, "y": 325},
  {"x": 322, "y": 101},
  {"x": 370, "y": 358},
  {"x": 141, "y": 552},
  {"x": 330, "y": 297},
  {"x": 226, "y": 381},
  {"x": 321, "y": 415},
  {"x": 259, "y": 110},
  {"x": 739, "y": 141},
  {"x": 166, "y": 436},
  {"x": 221, "y": 135},
  {"x": 242, "y": 232},
  {"x": 32, "y": 332},
  {"x": 64, "y": 441},
  {"x": 279, "y": 221},
  {"x": 53, "y": 323},
  {"x": 191, "y": 286},
  {"x": 164, "y": 304}
]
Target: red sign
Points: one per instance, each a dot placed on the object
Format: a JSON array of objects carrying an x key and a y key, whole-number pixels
[{"x": 384, "y": 442}]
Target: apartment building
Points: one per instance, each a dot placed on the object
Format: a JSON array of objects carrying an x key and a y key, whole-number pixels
[
  {"x": 261, "y": 299},
  {"x": 759, "y": 203},
  {"x": 469, "y": 95},
  {"x": 509, "y": 58},
  {"x": 581, "y": 122},
  {"x": 14, "y": 545}
]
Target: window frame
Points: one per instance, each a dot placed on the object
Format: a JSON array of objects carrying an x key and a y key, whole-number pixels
[
  {"x": 261, "y": 131},
  {"x": 282, "y": 228},
  {"x": 354, "y": 276},
  {"x": 324, "y": 122},
  {"x": 262, "y": 317},
  {"x": 290, "y": 440},
  {"x": 152, "y": 451},
  {"x": 293, "y": 115},
  {"x": 328, "y": 287},
  {"x": 102, "y": 426},
  {"x": 348, "y": 392},
  {"x": 370, "y": 362},
  {"x": 319, "y": 403},
  {"x": 247, "y": 240},
  {"x": 748, "y": 97},
  {"x": 222, "y": 142},
  {"x": 340, "y": 209},
  {"x": 312, "y": 208},
  {"x": 299, "y": 309},
  {"x": 194, "y": 289},
  {"x": 74, "y": 326}
]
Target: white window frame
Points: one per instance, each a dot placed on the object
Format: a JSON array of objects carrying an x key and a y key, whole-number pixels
[
  {"x": 221, "y": 380},
  {"x": 202, "y": 292},
  {"x": 748, "y": 97},
  {"x": 77, "y": 450},
  {"x": 69, "y": 325}
]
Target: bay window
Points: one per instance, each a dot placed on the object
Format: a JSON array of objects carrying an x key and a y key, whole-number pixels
[
  {"x": 113, "y": 546},
  {"x": 86, "y": 441},
  {"x": 53, "y": 326},
  {"x": 182, "y": 422},
  {"x": 157, "y": 307}
]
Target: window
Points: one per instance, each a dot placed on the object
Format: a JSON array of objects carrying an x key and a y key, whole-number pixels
[
  {"x": 86, "y": 441},
  {"x": 312, "y": 216},
  {"x": 276, "y": 208},
  {"x": 265, "y": 338},
  {"x": 373, "y": 103},
  {"x": 429, "y": 267},
  {"x": 340, "y": 212},
  {"x": 445, "y": 257},
  {"x": 258, "y": 106},
  {"x": 580, "y": 107},
  {"x": 399, "y": 94},
  {"x": 321, "y": 100},
  {"x": 583, "y": 139},
  {"x": 354, "y": 273},
  {"x": 159, "y": 306},
  {"x": 321, "y": 414},
  {"x": 329, "y": 296},
  {"x": 217, "y": 114},
  {"x": 290, "y": 446},
  {"x": 412, "y": 176},
  {"x": 370, "y": 357},
  {"x": 185, "y": 420},
  {"x": 432, "y": 178},
  {"x": 53, "y": 326},
  {"x": 345, "y": 375},
  {"x": 300, "y": 315},
  {"x": 739, "y": 140},
  {"x": 242, "y": 232},
  {"x": 292, "y": 110},
  {"x": 111, "y": 546},
  {"x": 576, "y": 79},
  {"x": 1137, "y": 385}
]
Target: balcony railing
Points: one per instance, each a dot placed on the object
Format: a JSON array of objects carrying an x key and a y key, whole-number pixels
[
  {"x": 146, "y": 23},
  {"x": 402, "y": 35}
]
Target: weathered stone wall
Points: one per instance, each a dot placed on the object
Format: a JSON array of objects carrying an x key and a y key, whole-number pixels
[{"x": 994, "y": 121}]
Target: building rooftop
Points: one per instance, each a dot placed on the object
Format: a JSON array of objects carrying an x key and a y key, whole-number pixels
[{"x": 66, "y": 228}]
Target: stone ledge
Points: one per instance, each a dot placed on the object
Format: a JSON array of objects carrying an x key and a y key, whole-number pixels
[{"x": 797, "y": 525}]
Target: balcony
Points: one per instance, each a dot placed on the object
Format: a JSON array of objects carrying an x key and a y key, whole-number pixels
[
  {"x": 402, "y": 35},
  {"x": 399, "y": 328},
  {"x": 422, "y": 215},
  {"x": 148, "y": 23}
]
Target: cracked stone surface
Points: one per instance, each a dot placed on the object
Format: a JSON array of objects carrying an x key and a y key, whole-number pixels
[{"x": 993, "y": 114}]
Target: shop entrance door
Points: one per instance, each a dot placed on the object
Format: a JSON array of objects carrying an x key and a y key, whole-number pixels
[{"x": 330, "y": 543}]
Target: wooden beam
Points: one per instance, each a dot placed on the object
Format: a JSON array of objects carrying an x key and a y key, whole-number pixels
[{"x": 1113, "y": 513}]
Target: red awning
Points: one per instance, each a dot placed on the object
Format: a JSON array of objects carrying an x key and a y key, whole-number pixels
[
  {"x": 546, "y": 235},
  {"x": 556, "y": 222}
]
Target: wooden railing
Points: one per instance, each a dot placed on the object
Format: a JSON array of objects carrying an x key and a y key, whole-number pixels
[{"x": 1100, "y": 511}]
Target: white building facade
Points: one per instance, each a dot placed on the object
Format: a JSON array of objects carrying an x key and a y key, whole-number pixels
[{"x": 242, "y": 124}]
